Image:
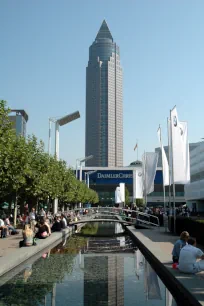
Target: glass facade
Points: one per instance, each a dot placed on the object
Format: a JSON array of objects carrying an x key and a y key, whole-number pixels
[
  {"x": 19, "y": 124},
  {"x": 103, "y": 96}
]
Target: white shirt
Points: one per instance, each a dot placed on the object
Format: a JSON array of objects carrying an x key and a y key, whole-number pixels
[
  {"x": 187, "y": 259},
  {"x": 1, "y": 222},
  {"x": 32, "y": 216},
  {"x": 65, "y": 222}
]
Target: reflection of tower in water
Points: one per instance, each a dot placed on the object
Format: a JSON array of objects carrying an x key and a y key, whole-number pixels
[{"x": 104, "y": 280}]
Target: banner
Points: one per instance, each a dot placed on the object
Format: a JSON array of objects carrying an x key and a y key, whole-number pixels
[
  {"x": 117, "y": 195},
  {"x": 165, "y": 165},
  {"x": 139, "y": 183},
  {"x": 122, "y": 192},
  {"x": 180, "y": 149},
  {"x": 150, "y": 160},
  {"x": 151, "y": 283}
]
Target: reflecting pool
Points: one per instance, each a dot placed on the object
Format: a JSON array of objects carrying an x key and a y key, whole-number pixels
[{"x": 88, "y": 271}]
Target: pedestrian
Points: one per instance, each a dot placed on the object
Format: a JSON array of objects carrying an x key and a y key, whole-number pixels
[{"x": 188, "y": 258}]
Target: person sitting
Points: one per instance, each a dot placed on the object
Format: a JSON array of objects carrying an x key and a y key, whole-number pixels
[
  {"x": 56, "y": 227},
  {"x": 28, "y": 237},
  {"x": 180, "y": 243},
  {"x": 63, "y": 221},
  {"x": 3, "y": 229},
  {"x": 9, "y": 226},
  {"x": 188, "y": 258},
  {"x": 43, "y": 229}
]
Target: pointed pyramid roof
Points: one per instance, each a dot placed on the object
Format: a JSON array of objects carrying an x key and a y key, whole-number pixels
[{"x": 104, "y": 32}]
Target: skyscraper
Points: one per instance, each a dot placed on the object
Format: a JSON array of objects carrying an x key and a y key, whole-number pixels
[
  {"x": 19, "y": 121},
  {"x": 104, "y": 111}
]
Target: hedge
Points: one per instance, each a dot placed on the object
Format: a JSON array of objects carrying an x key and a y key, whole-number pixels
[{"x": 194, "y": 227}]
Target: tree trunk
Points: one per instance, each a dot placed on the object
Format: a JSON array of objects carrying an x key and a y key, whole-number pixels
[{"x": 15, "y": 210}]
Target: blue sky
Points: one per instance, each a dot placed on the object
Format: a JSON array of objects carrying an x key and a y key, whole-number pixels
[{"x": 44, "y": 52}]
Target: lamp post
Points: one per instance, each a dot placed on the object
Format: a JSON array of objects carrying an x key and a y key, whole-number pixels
[
  {"x": 59, "y": 122},
  {"x": 81, "y": 162},
  {"x": 89, "y": 173}
]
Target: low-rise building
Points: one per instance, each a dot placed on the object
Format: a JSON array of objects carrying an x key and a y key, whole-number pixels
[{"x": 194, "y": 192}]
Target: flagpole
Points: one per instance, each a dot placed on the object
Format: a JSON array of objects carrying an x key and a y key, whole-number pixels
[
  {"x": 168, "y": 132},
  {"x": 172, "y": 171},
  {"x": 137, "y": 149},
  {"x": 145, "y": 178},
  {"x": 163, "y": 173}
]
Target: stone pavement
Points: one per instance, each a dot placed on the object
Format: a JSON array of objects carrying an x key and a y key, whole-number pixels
[
  {"x": 9, "y": 244},
  {"x": 160, "y": 245}
]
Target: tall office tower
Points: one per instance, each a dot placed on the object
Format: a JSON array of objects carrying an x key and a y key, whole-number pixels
[
  {"x": 19, "y": 121},
  {"x": 104, "y": 102}
]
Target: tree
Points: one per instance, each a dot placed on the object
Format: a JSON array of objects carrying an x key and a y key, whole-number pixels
[
  {"x": 127, "y": 196},
  {"x": 140, "y": 202}
]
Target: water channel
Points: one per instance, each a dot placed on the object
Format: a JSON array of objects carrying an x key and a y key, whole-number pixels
[{"x": 100, "y": 266}]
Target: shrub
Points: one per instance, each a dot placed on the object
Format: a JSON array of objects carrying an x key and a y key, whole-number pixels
[{"x": 194, "y": 227}]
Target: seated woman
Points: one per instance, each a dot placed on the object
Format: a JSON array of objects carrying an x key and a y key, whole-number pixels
[
  {"x": 28, "y": 237},
  {"x": 43, "y": 229},
  {"x": 57, "y": 226},
  {"x": 180, "y": 243}
]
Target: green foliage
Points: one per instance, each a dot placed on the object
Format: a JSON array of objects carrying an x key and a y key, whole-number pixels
[
  {"x": 127, "y": 196},
  {"x": 29, "y": 174},
  {"x": 140, "y": 202}
]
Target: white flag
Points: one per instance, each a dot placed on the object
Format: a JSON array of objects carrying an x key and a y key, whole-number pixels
[
  {"x": 122, "y": 192},
  {"x": 150, "y": 161},
  {"x": 117, "y": 195},
  {"x": 180, "y": 149},
  {"x": 165, "y": 165},
  {"x": 139, "y": 183}
]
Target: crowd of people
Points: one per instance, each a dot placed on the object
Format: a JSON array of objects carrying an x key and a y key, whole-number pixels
[{"x": 38, "y": 225}]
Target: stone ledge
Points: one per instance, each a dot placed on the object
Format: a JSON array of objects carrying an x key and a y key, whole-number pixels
[{"x": 20, "y": 255}]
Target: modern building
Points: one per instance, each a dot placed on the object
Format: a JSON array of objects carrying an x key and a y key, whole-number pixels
[
  {"x": 105, "y": 180},
  {"x": 104, "y": 102},
  {"x": 19, "y": 121},
  {"x": 192, "y": 146},
  {"x": 194, "y": 192}
]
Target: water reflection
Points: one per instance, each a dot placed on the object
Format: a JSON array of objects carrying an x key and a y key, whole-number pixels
[
  {"x": 103, "y": 280},
  {"x": 102, "y": 229},
  {"x": 73, "y": 273},
  {"x": 152, "y": 284}
]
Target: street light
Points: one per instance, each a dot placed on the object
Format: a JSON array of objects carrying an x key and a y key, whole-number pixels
[
  {"x": 77, "y": 160},
  {"x": 89, "y": 173},
  {"x": 59, "y": 122},
  {"x": 82, "y": 161}
]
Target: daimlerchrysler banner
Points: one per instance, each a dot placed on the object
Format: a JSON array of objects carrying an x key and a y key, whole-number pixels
[
  {"x": 165, "y": 165},
  {"x": 150, "y": 160},
  {"x": 180, "y": 149}
]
